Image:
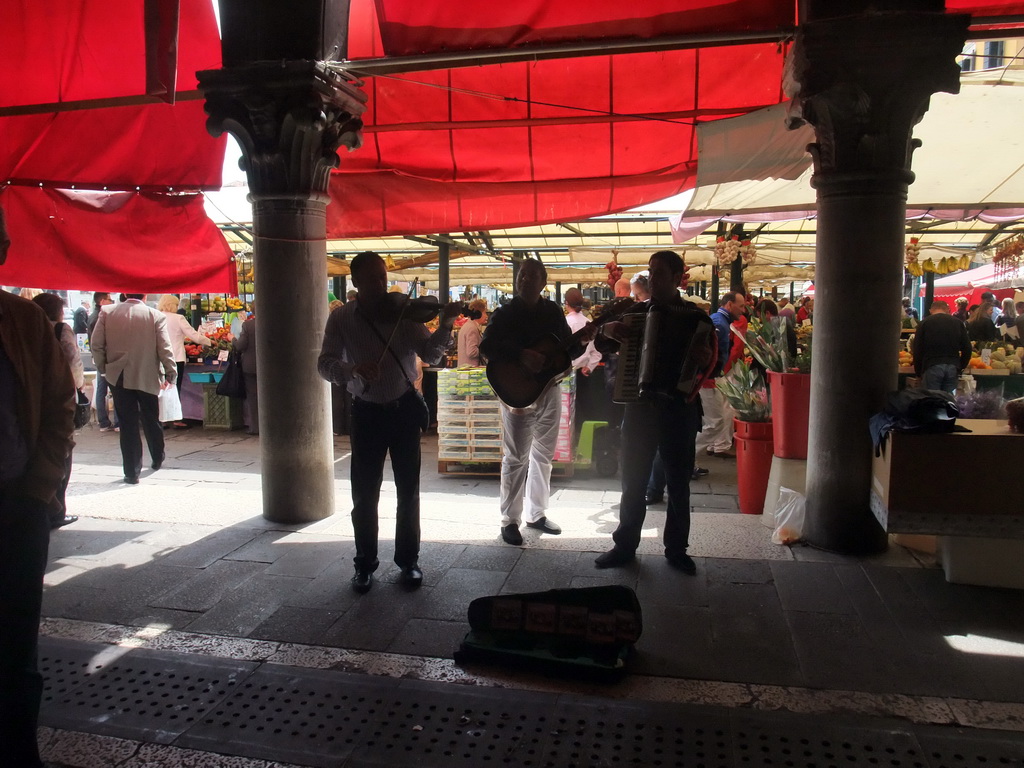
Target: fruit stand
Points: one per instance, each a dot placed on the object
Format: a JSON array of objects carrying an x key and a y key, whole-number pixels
[{"x": 203, "y": 369}]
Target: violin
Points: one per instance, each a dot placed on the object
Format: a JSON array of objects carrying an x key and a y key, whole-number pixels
[{"x": 399, "y": 306}]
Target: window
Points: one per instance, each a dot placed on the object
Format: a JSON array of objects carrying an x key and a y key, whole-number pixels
[{"x": 993, "y": 54}]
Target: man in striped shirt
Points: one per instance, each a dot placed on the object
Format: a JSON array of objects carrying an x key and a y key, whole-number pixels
[{"x": 373, "y": 350}]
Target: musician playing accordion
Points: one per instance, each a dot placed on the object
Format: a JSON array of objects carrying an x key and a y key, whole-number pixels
[{"x": 679, "y": 350}]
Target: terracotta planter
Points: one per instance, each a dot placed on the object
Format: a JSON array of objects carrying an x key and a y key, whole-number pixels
[
  {"x": 753, "y": 468},
  {"x": 791, "y": 407},
  {"x": 753, "y": 430}
]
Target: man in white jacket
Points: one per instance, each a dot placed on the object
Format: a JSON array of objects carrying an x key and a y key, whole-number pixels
[{"x": 132, "y": 351}]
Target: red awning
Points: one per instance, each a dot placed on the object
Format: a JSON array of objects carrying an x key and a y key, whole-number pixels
[
  {"x": 122, "y": 241},
  {"x": 154, "y": 242},
  {"x": 515, "y": 144}
]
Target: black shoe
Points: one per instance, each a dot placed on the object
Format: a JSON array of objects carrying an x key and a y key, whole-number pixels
[
  {"x": 510, "y": 535},
  {"x": 131, "y": 479},
  {"x": 682, "y": 563},
  {"x": 615, "y": 557},
  {"x": 544, "y": 526},
  {"x": 159, "y": 462},
  {"x": 654, "y": 498},
  {"x": 66, "y": 520},
  {"x": 699, "y": 472},
  {"x": 412, "y": 576},
  {"x": 362, "y": 581}
]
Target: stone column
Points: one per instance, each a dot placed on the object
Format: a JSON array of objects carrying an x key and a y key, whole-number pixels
[
  {"x": 289, "y": 119},
  {"x": 863, "y": 82}
]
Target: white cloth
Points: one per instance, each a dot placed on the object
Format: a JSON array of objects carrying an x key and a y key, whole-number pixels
[
  {"x": 590, "y": 357},
  {"x": 131, "y": 339},
  {"x": 178, "y": 330},
  {"x": 529, "y": 439},
  {"x": 717, "y": 430}
]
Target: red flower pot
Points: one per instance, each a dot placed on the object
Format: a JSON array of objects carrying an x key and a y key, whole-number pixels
[
  {"x": 753, "y": 430},
  {"x": 791, "y": 407}
]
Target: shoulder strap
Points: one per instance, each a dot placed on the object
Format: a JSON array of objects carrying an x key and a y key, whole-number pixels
[
  {"x": 387, "y": 344},
  {"x": 58, "y": 330}
]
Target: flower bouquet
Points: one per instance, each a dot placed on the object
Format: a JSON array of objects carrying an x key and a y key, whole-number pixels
[{"x": 744, "y": 388}]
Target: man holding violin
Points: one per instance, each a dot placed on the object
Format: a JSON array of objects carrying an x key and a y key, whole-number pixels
[
  {"x": 371, "y": 346},
  {"x": 530, "y": 432}
]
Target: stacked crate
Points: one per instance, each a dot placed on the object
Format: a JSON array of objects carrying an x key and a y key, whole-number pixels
[
  {"x": 469, "y": 421},
  {"x": 564, "y": 448},
  {"x": 468, "y": 417}
]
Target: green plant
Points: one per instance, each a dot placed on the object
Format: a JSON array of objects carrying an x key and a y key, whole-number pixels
[
  {"x": 766, "y": 341},
  {"x": 745, "y": 390}
]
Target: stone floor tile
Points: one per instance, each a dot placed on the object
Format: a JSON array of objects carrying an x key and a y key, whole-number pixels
[
  {"x": 240, "y": 610},
  {"x": 450, "y": 599},
  {"x": 488, "y": 558},
  {"x": 427, "y": 637},
  {"x": 210, "y": 548},
  {"x": 727, "y": 571},
  {"x": 660, "y": 584},
  {"x": 376, "y": 618},
  {"x": 307, "y": 556},
  {"x": 541, "y": 569},
  {"x": 810, "y": 587},
  {"x": 291, "y": 624},
  {"x": 209, "y": 585}
]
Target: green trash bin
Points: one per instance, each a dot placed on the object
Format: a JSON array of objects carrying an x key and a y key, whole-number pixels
[{"x": 221, "y": 412}]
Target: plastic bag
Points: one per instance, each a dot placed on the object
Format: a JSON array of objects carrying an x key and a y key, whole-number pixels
[
  {"x": 789, "y": 517},
  {"x": 170, "y": 405}
]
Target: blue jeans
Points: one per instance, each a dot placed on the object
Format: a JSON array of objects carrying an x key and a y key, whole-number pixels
[
  {"x": 941, "y": 377},
  {"x": 102, "y": 415}
]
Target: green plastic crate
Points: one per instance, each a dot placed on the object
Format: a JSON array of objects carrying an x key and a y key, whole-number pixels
[{"x": 221, "y": 412}]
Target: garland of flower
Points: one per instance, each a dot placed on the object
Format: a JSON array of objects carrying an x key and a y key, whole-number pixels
[{"x": 1009, "y": 257}]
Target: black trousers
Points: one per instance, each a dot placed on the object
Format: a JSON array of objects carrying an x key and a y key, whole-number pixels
[
  {"x": 376, "y": 431},
  {"x": 135, "y": 407},
  {"x": 24, "y": 539},
  {"x": 671, "y": 429}
]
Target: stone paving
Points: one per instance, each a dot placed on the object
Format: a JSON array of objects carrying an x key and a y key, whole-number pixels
[{"x": 184, "y": 561}]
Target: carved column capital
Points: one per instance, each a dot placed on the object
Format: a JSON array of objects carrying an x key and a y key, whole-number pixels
[
  {"x": 289, "y": 118},
  {"x": 864, "y": 81}
]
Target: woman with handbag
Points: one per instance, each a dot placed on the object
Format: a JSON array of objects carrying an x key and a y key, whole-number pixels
[
  {"x": 53, "y": 306},
  {"x": 179, "y": 330}
]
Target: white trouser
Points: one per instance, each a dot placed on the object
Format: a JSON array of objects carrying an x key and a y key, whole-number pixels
[
  {"x": 529, "y": 445},
  {"x": 717, "y": 430}
]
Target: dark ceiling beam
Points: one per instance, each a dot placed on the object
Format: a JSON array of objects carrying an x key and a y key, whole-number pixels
[
  {"x": 437, "y": 240},
  {"x": 487, "y": 241},
  {"x": 391, "y": 65},
  {"x": 993, "y": 234}
]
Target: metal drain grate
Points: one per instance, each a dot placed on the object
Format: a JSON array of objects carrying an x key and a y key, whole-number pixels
[
  {"x": 146, "y": 695},
  {"x": 638, "y": 734},
  {"x": 328, "y": 718}
]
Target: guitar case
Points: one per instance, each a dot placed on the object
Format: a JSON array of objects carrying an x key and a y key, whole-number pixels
[{"x": 587, "y": 632}]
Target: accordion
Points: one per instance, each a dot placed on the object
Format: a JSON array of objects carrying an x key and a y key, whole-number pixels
[{"x": 663, "y": 356}]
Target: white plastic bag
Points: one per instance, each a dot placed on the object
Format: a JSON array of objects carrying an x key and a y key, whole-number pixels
[
  {"x": 170, "y": 404},
  {"x": 789, "y": 517}
]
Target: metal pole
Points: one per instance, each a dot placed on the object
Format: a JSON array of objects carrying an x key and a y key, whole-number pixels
[{"x": 443, "y": 251}]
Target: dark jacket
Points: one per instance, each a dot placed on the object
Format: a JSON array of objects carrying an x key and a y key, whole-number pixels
[
  {"x": 46, "y": 402},
  {"x": 941, "y": 339},
  {"x": 982, "y": 329},
  {"x": 245, "y": 343},
  {"x": 517, "y": 326}
]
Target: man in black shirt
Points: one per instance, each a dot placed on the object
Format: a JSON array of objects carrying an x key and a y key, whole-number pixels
[
  {"x": 529, "y": 434},
  {"x": 941, "y": 348},
  {"x": 667, "y": 425}
]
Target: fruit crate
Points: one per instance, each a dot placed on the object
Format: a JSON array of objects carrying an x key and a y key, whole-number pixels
[{"x": 221, "y": 412}]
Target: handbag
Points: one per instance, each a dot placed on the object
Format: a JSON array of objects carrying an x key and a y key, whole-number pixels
[
  {"x": 83, "y": 409},
  {"x": 232, "y": 383}
]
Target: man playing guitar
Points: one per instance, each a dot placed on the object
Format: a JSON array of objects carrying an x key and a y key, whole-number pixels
[{"x": 530, "y": 433}]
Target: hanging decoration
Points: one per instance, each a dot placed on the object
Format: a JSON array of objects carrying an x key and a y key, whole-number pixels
[
  {"x": 1009, "y": 258},
  {"x": 727, "y": 251},
  {"x": 946, "y": 265},
  {"x": 614, "y": 272}
]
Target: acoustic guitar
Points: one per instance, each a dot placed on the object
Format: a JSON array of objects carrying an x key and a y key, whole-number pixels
[{"x": 518, "y": 387}]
